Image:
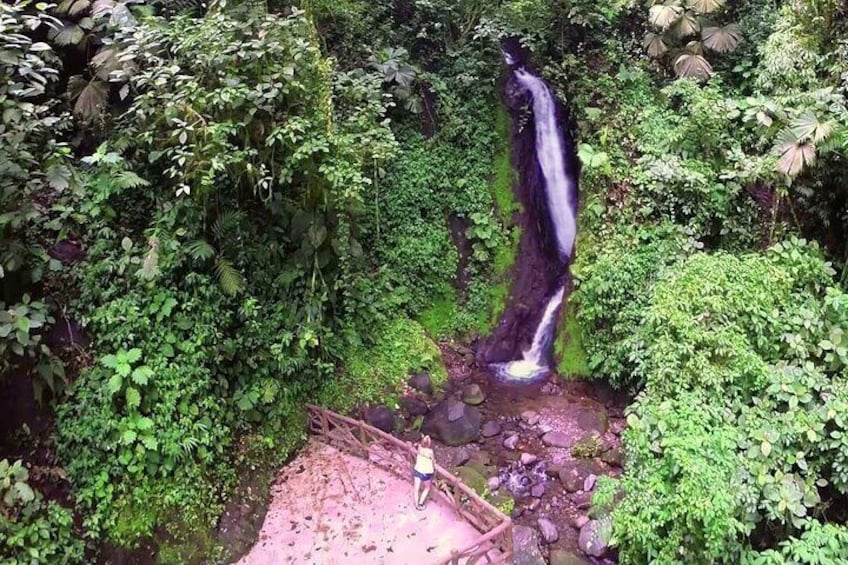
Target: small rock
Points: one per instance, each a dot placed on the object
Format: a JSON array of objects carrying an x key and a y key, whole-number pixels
[
  {"x": 494, "y": 483},
  {"x": 594, "y": 537},
  {"x": 531, "y": 417},
  {"x": 589, "y": 482},
  {"x": 533, "y": 504},
  {"x": 511, "y": 442},
  {"x": 421, "y": 382},
  {"x": 473, "y": 394},
  {"x": 455, "y": 411},
  {"x": 528, "y": 459},
  {"x": 553, "y": 471},
  {"x": 564, "y": 557},
  {"x": 582, "y": 500},
  {"x": 579, "y": 521},
  {"x": 617, "y": 426},
  {"x": 461, "y": 457},
  {"x": 525, "y": 543},
  {"x": 381, "y": 417},
  {"x": 414, "y": 406},
  {"x": 491, "y": 429},
  {"x": 549, "y": 530},
  {"x": 543, "y": 429},
  {"x": 613, "y": 456},
  {"x": 538, "y": 490},
  {"x": 557, "y": 439}
]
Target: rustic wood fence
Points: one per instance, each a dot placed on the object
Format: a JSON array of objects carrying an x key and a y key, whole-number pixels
[{"x": 388, "y": 452}]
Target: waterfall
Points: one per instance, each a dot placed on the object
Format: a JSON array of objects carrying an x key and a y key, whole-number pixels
[{"x": 561, "y": 192}]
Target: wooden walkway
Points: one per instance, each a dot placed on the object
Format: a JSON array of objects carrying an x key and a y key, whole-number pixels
[{"x": 333, "y": 504}]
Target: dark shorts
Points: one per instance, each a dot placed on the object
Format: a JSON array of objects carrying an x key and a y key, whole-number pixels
[{"x": 422, "y": 476}]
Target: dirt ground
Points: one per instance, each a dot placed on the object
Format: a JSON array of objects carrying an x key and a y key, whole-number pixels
[{"x": 330, "y": 507}]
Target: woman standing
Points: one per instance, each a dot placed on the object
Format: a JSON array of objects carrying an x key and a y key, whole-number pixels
[{"x": 423, "y": 472}]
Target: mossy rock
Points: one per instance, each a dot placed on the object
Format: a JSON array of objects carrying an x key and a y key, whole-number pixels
[
  {"x": 588, "y": 447},
  {"x": 472, "y": 478}
]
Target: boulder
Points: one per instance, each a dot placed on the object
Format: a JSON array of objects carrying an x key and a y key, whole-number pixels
[
  {"x": 491, "y": 429},
  {"x": 531, "y": 417},
  {"x": 564, "y": 557},
  {"x": 463, "y": 428},
  {"x": 421, "y": 382},
  {"x": 528, "y": 459},
  {"x": 381, "y": 417},
  {"x": 525, "y": 544},
  {"x": 461, "y": 457},
  {"x": 511, "y": 442},
  {"x": 557, "y": 439},
  {"x": 414, "y": 406},
  {"x": 594, "y": 537},
  {"x": 549, "y": 531},
  {"x": 573, "y": 475},
  {"x": 473, "y": 394},
  {"x": 593, "y": 419}
]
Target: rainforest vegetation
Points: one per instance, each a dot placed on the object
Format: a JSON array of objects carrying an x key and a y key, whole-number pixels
[{"x": 215, "y": 213}]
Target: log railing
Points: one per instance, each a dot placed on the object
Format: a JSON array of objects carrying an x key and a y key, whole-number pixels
[{"x": 388, "y": 452}]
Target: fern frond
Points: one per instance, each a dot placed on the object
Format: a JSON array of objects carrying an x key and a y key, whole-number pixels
[
  {"x": 200, "y": 250},
  {"x": 232, "y": 281},
  {"x": 128, "y": 179},
  {"x": 227, "y": 222}
]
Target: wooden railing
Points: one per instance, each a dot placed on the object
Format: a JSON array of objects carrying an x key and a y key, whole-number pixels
[{"x": 388, "y": 452}]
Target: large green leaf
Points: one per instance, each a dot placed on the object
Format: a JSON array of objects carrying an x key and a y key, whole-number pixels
[
  {"x": 68, "y": 34},
  {"x": 808, "y": 127},
  {"x": 663, "y": 15},
  {"x": 722, "y": 39},
  {"x": 795, "y": 154},
  {"x": 706, "y": 6},
  {"x": 692, "y": 65},
  {"x": 654, "y": 44}
]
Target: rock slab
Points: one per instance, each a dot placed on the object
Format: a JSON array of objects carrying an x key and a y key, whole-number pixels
[{"x": 525, "y": 543}]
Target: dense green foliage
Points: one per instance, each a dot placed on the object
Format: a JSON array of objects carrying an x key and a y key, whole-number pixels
[{"x": 286, "y": 202}]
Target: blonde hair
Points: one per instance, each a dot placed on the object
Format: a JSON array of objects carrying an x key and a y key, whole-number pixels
[{"x": 425, "y": 441}]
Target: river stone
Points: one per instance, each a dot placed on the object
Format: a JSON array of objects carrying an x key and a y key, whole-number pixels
[
  {"x": 525, "y": 544},
  {"x": 473, "y": 394},
  {"x": 538, "y": 490},
  {"x": 381, "y": 417},
  {"x": 455, "y": 432},
  {"x": 413, "y": 406},
  {"x": 528, "y": 459},
  {"x": 511, "y": 442},
  {"x": 557, "y": 439},
  {"x": 594, "y": 537},
  {"x": 563, "y": 557},
  {"x": 421, "y": 382},
  {"x": 613, "y": 456},
  {"x": 490, "y": 429},
  {"x": 589, "y": 482},
  {"x": 593, "y": 419},
  {"x": 461, "y": 457},
  {"x": 579, "y": 521},
  {"x": 549, "y": 531},
  {"x": 572, "y": 475},
  {"x": 531, "y": 417},
  {"x": 494, "y": 483}
]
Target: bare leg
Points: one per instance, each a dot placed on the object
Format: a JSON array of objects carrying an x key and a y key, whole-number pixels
[
  {"x": 426, "y": 492},
  {"x": 416, "y": 488}
]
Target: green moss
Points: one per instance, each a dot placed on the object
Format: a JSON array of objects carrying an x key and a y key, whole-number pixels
[
  {"x": 376, "y": 374},
  {"x": 504, "y": 177},
  {"x": 588, "y": 447},
  {"x": 573, "y": 361},
  {"x": 440, "y": 318}
]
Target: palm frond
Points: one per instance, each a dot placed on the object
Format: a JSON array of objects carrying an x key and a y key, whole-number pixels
[
  {"x": 200, "y": 250},
  {"x": 232, "y": 282},
  {"x": 722, "y": 39},
  {"x": 692, "y": 65}
]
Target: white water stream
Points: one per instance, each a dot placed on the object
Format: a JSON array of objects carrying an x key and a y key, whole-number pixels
[{"x": 560, "y": 189}]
